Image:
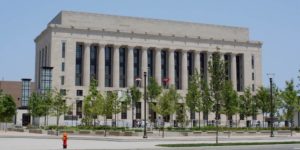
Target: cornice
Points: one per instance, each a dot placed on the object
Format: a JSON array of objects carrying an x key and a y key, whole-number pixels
[{"x": 156, "y": 36}]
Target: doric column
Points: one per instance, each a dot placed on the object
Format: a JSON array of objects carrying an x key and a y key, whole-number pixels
[
  {"x": 116, "y": 66},
  {"x": 208, "y": 59},
  {"x": 158, "y": 65},
  {"x": 197, "y": 65},
  {"x": 101, "y": 66},
  {"x": 184, "y": 70},
  {"x": 86, "y": 67},
  {"x": 171, "y": 69},
  {"x": 144, "y": 66},
  {"x": 233, "y": 71},
  {"x": 130, "y": 76}
]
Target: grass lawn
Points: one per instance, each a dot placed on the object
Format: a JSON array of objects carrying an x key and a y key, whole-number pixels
[{"x": 226, "y": 144}]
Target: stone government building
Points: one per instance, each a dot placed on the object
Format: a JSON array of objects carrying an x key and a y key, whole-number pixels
[{"x": 116, "y": 50}]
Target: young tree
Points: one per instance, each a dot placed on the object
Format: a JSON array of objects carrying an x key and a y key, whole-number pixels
[
  {"x": 230, "y": 98},
  {"x": 194, "y": 97},
  {"x": 46, "y": 105},
  {"x": 181, "y": 114},
  {"x": 207, "y": 102},
  {"x": 246, "y": 103},
  {"x": 290, "y": 101},
  {"x": 263, "y": 101},
  {"x": 216, "y": 68},
  {"x": 153, "y": 91},
  {"x": 166, "y": 104},
  {"x": 116, "y": 102},
  {"x": 8, "y": 108},
  {"x": 36, "y": 106},
  {"x": 134, "y": 96},
  {"x": 59, "y": 107},
  {"x": 92, "y": 104}
]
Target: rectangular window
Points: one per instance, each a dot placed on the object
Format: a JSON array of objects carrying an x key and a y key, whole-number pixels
[
  {"x": 62, "y": 80},
  {"x": 252, "y": 62},
  {"x": 63, "y": 92},
  {"x": 137, "y": 63},
  {"x": 63, "y": 66},
  {"x": 124, "y": 110},
  {"x": 252, "y": 75},
  {"x": 108, "y": 66},
  {"x": 164, "y": 67},
  {"x": 253, "y": 87},
  {"x": 63, "y": 49},
  {"x": 150, "y": 58},
  {"x": 190, "y": 63},
  {"x": 122, "y": 69},
  {"x": 79, "y": 108},
  {"x": 79, "y": 65},
  {"x": 79, "y": 93},
  {"x": 177, "y": 69},
  {"x": 93, "y": 62}
]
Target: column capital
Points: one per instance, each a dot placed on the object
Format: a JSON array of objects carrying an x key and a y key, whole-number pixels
[
  {"x": 233, "y": 54},
  {"x": 144, "y": 48},
  {"x": 102, "y": 44},
  {"x": 171, "y": 50},
  {"x": 87, "y": 44},
  {"x": 117, "y": 45},
  {"x": 197, "y": 52},
  {"x": 130, "y": 47}
]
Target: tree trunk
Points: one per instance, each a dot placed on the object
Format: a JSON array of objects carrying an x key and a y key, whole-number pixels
[
  {"x": 263, "y": 119},
  {"x": 132, "y": 115},
  {"x": 57, "y": 122},
  {"x": 199, "y": 114},
  {"x": 291, "y": 127},
  {"x": 163, "y": 128},
  {"x": 105, "y": 125}
]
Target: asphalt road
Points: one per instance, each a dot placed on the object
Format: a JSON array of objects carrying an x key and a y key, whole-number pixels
[{"x": 56, "y": 144}]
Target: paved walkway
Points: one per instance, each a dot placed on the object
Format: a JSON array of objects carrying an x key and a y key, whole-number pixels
[{"x": 29, "y": 141}]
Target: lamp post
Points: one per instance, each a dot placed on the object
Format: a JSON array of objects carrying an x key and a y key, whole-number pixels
[
  {"x": 270, "y": 75},
  {"x": 145, "y": 101}
]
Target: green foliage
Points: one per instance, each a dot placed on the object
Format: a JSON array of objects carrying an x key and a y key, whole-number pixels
[
  {"x": 135, "y": 94},
  {"x": 290, "y": 100},
  {"x": 7, "y": 107},
  {"x": 92, "y": 104},
  {"x": 246, "y": 103},
  {"x": 153, "y": 89},
  {"x": 230, "y": 99},
  {"x": 59, "y": 106},
  {"x": 206, "y": 98},
  {"x": 166, "y": 104},
  {"x": 263, "y": 99},
  {"x": 36, "y": 105},
  {"x": 180, "y": 114},
  {"x": 217, "y": 72},
  {"x": 194, "y": 97}
]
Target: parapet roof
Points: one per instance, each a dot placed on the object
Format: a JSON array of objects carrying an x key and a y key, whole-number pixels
[{"x": 150, "y": 26}]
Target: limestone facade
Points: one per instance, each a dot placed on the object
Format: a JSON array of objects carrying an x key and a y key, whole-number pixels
[{"x": 175, "y": 48}]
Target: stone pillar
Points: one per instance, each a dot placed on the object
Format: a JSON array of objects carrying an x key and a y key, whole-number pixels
[
  {"x": 130, "y": 67},
  {"x": 144, "y": 66},
  {"x": 101, "y": 66},
  {"x": 184, "y": 71},
  {"x": 171, "y": 65},
  {"x": 233, "y": 71},
  {"x": 116, "y": 66},
  {"x": 86, "y": 66},
  {"x": 208, "y": 59},
  {"x": 158, "y": 65},
  {"x": 197, "y": 65}
]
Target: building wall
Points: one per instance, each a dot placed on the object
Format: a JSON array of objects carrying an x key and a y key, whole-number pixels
[{"x": 103, "y": 30}]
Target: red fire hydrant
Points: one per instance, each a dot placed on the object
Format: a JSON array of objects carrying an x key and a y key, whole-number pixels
[{"x": 65, "y": 139}]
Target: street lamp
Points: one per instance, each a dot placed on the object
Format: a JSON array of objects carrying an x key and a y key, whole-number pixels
[
  {"x": 145, "y": 101},
  {"x": 271, "y": 75}
]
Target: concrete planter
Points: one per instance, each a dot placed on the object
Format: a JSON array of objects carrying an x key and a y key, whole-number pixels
[
  {"x": 197, "y": 132},
  {"x": 184, "y": 133},
  {"x": 84, "y": 132},
  {"x": 37, "y": 131},
  {"x": 129, "y": 133},
  {"x": 115, "y": 133},
  {"x": 99, "y": 132}
]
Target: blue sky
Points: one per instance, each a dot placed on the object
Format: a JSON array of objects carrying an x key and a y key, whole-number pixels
[{"x": 274, "y": 22}]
